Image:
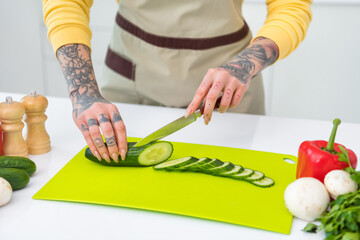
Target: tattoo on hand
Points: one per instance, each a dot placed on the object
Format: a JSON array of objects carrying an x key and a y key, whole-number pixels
[
  {"x": 78, "y": 71},
  {"x": 110, "y": 141},
  {"x": 243, "y": 66},
  {"x": 103, "y": 118},
  {"x": 92, "y": 122},
  {"x": 98, "y": 143},
  {"x": 116, "y": 117},
  {"x": 84, "y": 128}
]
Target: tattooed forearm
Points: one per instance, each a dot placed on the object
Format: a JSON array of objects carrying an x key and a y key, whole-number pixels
[
  {"x": 262, "y": 53},
  {"x": 79, "y": 74}
]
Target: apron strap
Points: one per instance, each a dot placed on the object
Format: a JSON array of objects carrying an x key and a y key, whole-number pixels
[{"x": 182, "y": 43}]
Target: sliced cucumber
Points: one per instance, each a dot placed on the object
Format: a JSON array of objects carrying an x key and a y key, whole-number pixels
[
  {"x": 255, "y": 177},
  {"x": 235, "y": 170},
  {"x": 176, "y": 163},
  {"x": 225, "y": 167},
  {"x": 212, "y": 164},
  {"x": 247, "y": 172},
  {"x": 265, "y": 182},
  {"x": 195, "y": 165}
]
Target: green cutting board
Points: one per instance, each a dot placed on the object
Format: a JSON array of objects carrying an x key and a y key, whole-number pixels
[{"x": 185, "y": 193}]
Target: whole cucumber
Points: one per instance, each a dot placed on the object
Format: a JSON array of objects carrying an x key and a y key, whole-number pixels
[
  {"x": 18, "y": 162},
  {"x": 16, "y": 177}
]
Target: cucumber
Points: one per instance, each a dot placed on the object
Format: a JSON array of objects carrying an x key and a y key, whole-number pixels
[
  {"x": 225, "y": 167},
  {"x": 265, "y": 182},
  {"x": 17, "y": 178},
  {"x": 147, "y": 155},
  {"x": 196, "y": 166},
  {"x": 212, "y": 164},
  {"x": 18, "y": 162},
  {"x": 257, "y": 175},
  {"x": 176, "y": 164},
  {"x": 235, "y": 170},
  {"x": 247, "y": 172}
]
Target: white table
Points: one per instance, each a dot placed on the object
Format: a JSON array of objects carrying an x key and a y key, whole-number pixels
[{"x": 25, "y": 218}]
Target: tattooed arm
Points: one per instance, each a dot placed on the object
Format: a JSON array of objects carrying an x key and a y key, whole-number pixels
[
  {"x": 92, "y": 112},
  {"x": 233, "y": 78}
]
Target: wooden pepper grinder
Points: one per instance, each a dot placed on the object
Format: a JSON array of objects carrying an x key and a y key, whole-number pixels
[
  {"x": 37, "y": 139},
  {"x": 11, "y": 114}
]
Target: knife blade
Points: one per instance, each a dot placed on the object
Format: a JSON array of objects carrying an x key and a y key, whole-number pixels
[{"x": 174, "y": 126}]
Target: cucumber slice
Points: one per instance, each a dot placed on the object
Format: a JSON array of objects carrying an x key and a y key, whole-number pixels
[
  {"x": 255, "y": 177},
  {"x": 265, "y": 182},
  {"x": 235, "y": 170},
  {"x": 226, "y": 167},
  {"x": 212, "y": 164},
  {"x": 247, "y": 172},
  {"x": 147, "y": 155},
  {"x": 176, "y": 163},
  {"x": 195, "y": 165}
]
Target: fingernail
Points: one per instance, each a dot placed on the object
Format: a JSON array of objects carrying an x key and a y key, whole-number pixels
[
  {"x": 115, "y": 157},
  {"x": 206, "y": 120},
  {"x": 123, "y": 154},
  {"x": 106, "y": 157},
  {"x": 97, "y": 155},
  {"x": 222, "y": 109},
  {"x": 187, "y": 113}
]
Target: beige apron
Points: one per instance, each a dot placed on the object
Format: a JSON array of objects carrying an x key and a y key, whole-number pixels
[{"x": 161, "y": 50}]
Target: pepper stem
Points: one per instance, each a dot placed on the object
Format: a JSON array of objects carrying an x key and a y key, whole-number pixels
[{"x": 330, "y": 145}]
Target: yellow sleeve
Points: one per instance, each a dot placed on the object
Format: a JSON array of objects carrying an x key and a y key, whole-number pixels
[
  {"x": 67, "y": 22},
  {"x": 286, "y": 23}
]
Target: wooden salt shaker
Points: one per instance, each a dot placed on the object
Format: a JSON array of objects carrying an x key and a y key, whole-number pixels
[
  {"x": 11, "y": 114},
  {"x": 37, "y": 139}
]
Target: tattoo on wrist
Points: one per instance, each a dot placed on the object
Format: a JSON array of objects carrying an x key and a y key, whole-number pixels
[
  {"x": 92, "y": 122},
  {"x": 78, "y": 71},
  {"x": 110, "y": 141},
  {"x": 103, "y": 118},
  {"x": 253, "y": 59},
  {"x": 116, "y": 117}
]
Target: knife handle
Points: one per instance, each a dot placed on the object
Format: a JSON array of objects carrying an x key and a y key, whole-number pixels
[{"x": 217, "y": 104}]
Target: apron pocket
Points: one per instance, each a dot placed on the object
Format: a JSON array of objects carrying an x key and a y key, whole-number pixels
[{"x": 120, "y": 65}]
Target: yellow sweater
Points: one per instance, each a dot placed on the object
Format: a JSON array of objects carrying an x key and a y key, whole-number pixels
[{"x": 286, "y": 23}]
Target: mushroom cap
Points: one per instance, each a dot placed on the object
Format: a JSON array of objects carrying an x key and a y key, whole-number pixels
[
  {"x": 338, "y": 182},
  {"x": 306, "y": 198}
]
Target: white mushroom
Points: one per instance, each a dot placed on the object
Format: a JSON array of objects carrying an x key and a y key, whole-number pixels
[
  {"x": 306, "y": 198},
  {"x": 5, "y": 191},
  {"x": 338, "y": 182}
]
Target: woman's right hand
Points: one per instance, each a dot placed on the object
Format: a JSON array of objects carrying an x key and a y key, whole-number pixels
[{"x": 92, "y": 113}]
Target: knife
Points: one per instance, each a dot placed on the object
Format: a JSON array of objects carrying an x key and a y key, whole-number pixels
[{"x": 175, "y": 125}]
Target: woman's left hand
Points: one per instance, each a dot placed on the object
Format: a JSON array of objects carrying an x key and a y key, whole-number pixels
[{"x": 233, "y": 79}]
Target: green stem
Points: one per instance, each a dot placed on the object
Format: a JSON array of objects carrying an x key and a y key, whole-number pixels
[{"x": 330, "y": 145}]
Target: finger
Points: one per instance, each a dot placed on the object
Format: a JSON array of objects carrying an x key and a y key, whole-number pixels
[
  {"x": 97, "y": 138},
  {"x": 120, "y": 133},
  {"x": 227, "y": 97},
  {"x": 107, "y": 130},
  {"x": 238, "y": 95},
  {"x": 86, "y": 133},
  {"x": 211, "y": 98},
  {"x": 200, "y": 94}
]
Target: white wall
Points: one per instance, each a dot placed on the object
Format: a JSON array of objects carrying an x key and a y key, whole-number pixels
[{"x": 320, "y": 80}]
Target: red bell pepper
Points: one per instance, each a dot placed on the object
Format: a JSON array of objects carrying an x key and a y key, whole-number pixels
[{"x": 317, "y": 158}]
